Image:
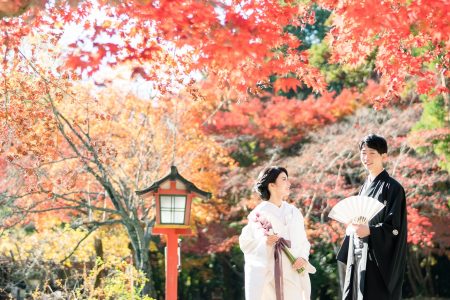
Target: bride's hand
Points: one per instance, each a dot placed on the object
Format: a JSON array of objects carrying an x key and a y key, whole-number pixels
[
  {"x": 272, "y": 239},
  {"x": 299, "y": 263}
]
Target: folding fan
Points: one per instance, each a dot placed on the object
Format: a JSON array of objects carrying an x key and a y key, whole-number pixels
[{"x": 356, "y": 209}]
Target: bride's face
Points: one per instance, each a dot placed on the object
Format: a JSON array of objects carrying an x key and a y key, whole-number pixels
[{"x": 281, "y": 186}]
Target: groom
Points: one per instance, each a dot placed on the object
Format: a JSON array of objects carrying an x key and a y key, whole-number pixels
[{"x": 375, "y": 254}]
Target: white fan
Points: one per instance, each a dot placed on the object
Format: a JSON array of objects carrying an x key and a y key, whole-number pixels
[{"x": 356, "y": 209}]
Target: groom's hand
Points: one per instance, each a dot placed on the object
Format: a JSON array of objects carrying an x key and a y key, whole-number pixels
[{"x": 361, "y": 230}]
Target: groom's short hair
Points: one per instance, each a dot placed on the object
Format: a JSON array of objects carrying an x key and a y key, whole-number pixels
[{"x": 374, "y": 141}]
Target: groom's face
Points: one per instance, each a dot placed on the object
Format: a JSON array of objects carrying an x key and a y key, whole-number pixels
[{"x": 371, "y": 159}]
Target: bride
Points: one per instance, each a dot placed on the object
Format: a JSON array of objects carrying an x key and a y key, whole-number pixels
[{"x": 270, "y": 224}]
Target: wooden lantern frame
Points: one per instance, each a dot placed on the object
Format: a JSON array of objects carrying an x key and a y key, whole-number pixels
[{"x": 173, "y": 185}]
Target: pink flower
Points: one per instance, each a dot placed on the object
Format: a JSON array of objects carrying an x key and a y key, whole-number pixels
[{"x": 263, "y": 223}]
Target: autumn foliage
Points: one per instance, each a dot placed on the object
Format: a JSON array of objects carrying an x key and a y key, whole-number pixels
[
  {"x": 411, "y": 40},
  {"x": 99, "y": 99},
  {"x": 285, "y": 122}
]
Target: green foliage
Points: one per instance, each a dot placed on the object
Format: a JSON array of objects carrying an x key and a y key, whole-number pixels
[
  {"x": 325, "y": 283},
  {"x": 157, "y": 262},
  {"x": 336, "y": 76},
  {"x": 434, "y": 113},
  {"x": 247, "y": 153},
  {"x": 121, "y": 282},
  {"x": 434, "y": 118},
  {"x": 311, "y": 34},
  {"x": 219, "y": 274},
  {"x": 339, "y": 76}
]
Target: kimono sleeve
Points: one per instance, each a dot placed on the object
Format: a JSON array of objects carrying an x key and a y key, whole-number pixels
[
  {"x": 251, "y": 240},
  {"x": 342, "y": 254},
  {"x": 300, "y": 245},
  {"x": 387, "y": 240}
]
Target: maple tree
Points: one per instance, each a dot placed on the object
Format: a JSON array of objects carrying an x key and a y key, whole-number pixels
[
  {"x": 410, "y": 37},
  {"x": 279, "y": 121},
  {"x": 80, "y": 155},
  {"x": 239, "y": 44},
  {"x": 236, "y": 45}
]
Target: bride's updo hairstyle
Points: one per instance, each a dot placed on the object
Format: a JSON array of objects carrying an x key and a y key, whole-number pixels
[{"x": 268, "y": 175}]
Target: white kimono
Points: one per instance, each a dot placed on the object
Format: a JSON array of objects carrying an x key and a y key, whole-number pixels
[{"x": 287, "y": 222}]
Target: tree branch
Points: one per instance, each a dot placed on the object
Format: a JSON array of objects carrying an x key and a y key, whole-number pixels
[{"x": 78, "y": 244}]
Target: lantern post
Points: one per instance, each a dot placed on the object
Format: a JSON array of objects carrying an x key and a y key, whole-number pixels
[{"x": 173, "y": 195}]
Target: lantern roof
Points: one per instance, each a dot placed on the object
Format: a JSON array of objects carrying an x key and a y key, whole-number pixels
[{"x": 174, "y": 175}]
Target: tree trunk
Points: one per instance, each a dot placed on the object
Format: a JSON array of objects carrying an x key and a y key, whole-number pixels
[
  {"x": 421, "y": 284},
  {"x": 412, "y": 282},
  {"x": 416, "y": 272},
  {"x": 141, "y": 257},
  {"x": 98, "y": 245},
  {"x": 428, "y": 277},
  {"x": 146, "y": 267}
]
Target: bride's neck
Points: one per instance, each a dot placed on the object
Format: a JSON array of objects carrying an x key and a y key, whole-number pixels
[{"x": 276, "y": 200}]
